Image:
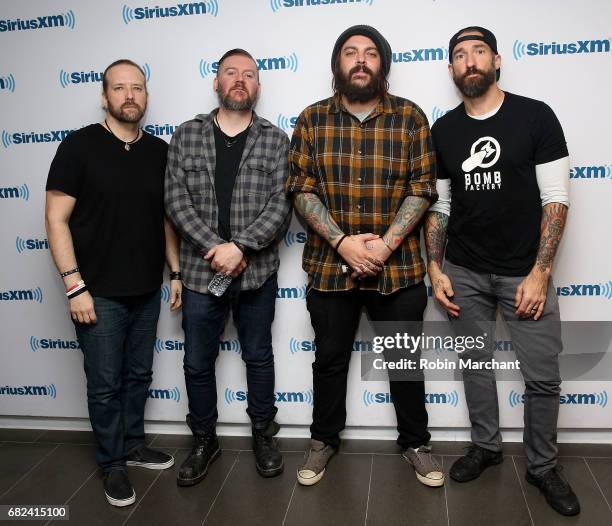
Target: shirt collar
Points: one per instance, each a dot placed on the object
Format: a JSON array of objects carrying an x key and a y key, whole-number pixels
[{"x": 385, "y": 105}]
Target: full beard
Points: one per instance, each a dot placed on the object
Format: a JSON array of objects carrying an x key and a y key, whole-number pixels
[{"x": 354, "y": 92}]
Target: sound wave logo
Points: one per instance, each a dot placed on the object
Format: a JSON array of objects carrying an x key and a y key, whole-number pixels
[
  {"x": 291, "y": 238},
  {"x": 8, "y": 83},
  {"x": 601, "y": 398},
  {"x": 205, "y": 68},
  {"x": 51, "y": 391},
  {"x": 284, "y": 123},
  {"x": 515, "y": 398},
  {"x": 298, "y": 397},
  {"x": 518, "y": 50},
  {"x": 128, "y": 14},
  {"x": 30, "y": 244},
  {"x": 606, "y": 289},
  {"x": 147, "y": 71},
  {"x": 449, "y": 398},
  {"x": 38, "y": 294},
  {"x": 34, "y": 344},
  {"x": 7, "y": 140},
  {"x": 368, "y": 398},
  {"x": 275, "y": 5},
  {"x": 166, "y": 394},
  {"x": 230, "y": 345},
  {"x": 295, "y": 346},
  {"x": 436, "y": 113},
  {"x": 64, "y": 78},
  {"x": 165, "y": 293},
  {"x": 69, "y": 19},
  {"x": 229, "y": 395},
  {"x": 292, "y": 62}
]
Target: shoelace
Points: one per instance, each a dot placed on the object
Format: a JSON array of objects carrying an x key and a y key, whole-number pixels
[{"x": 264, "y": 441}]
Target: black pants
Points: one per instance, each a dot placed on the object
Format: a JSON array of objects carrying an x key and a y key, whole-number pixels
[{"x": 335, "y": 318}]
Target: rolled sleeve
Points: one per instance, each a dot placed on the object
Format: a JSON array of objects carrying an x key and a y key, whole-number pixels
[{"x": 302, "y": 178}]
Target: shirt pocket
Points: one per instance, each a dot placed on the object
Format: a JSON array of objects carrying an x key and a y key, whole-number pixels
[
  {"x": 257, "y": 176},
  {"x": 197, "y": 177}
]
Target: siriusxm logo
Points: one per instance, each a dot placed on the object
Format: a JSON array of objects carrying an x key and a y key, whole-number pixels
[
  {"x": 42, "y": 22},
  {"x": 31, "y": 244},
  {"x": 436, "y": 113},
  {"x": 166, "y": 394},
  {"x": 87, "y": 77},
  {"x": 296, "y": 346},
  {"x": 294, "y": 237},
  {"x": 275, "y": 5},
  {"x": 29, "y": 390},
  {"x": 532, "y": 49},
  {"x": 165, "y": 293},
  {"x": 159, "y": 130},
  {"x": 44, "y": 344},
  {"x": 421, "y": 55},
  {"x": 33, "y": 137},
  {"x": 289, "y": 397},
  {"x": 291, "y": 293},
  {"x": 22, "y": 295},
  {"x": 179, "y": 345},
  {"x": 15, "y": 192},
  {"x": 129, "y": 14},
  {"x": 591, "y": 172},
  {"x": 284, "y": 123},
  {"x": 289, "y": 62},
  {"x": 450, "y": 398},
  {"x": 599, "y": 399},
  {"x": 598, "y": 289},
  {"x": 7, "y": 83}
]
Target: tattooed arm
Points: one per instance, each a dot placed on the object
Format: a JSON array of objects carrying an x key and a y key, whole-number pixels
[
  {"x": 436, "y": 224},
  {"x": 352, "y": 249},
  {"x": 531, "y": 293}
]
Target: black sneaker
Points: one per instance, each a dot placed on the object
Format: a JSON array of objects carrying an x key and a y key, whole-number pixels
[
  {"x": 475, "y": 461},
  {"x": 195, "y": 467},
  {"x": 149, "y": 458},
  {"x": 268, "y": 459},
  {"x": 556, "y": 490},
  {"x": 117, "y": 488}
]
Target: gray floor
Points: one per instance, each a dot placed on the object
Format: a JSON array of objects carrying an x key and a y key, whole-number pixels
[{"x": 367, "y": 483}]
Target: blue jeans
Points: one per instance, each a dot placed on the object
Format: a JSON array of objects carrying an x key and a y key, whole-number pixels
[
  {"x": 118, "y": 359},
  {"x": 204, "y": 319}
]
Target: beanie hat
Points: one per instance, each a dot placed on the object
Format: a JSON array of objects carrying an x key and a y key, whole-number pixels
[{"x": 367, "y": 31}]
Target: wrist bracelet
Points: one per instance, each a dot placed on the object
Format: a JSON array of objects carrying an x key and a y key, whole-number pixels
[
  {"x": 386, "y": 244},
  {"x": 79, "y": 291},
  {"x": 338, "y": 243},
  {"x": 68, "y": 272},
  {"x": 176, "y": 275}
]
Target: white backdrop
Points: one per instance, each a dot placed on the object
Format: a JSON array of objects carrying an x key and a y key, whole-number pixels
[{"x": 52, "y": 56}]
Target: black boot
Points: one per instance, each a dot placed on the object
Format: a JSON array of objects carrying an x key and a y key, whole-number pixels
[
  {"x": 475, "y": 461},
  {"x": 195, "y": 467},
  {"x": 556, "y": 490},
  {"x": 268, "y": 459}
]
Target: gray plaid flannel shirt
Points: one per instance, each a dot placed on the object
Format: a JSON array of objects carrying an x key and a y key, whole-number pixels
[{"x": 260, "y": 211}]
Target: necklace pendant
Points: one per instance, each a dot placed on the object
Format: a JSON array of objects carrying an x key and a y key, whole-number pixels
[{"x": 127, "y": 147}]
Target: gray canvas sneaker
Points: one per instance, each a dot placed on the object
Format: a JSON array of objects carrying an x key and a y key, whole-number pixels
[
  {"x": 314, "y": 468},
  {"x": 427, "y": 469}
]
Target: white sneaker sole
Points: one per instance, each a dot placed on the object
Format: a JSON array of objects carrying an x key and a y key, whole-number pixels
[
  {"x": 432, "y": 483},
  {"x": 150, "y": 465},
  {"x": 120, "y": 503},
  {"x": 310, "y": 481}
]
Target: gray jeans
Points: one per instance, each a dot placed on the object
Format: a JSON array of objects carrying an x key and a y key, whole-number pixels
[{"x": 537, "y": 345}]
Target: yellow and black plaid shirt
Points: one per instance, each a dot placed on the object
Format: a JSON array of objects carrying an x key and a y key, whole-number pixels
[{"x": 362, "y": 172}]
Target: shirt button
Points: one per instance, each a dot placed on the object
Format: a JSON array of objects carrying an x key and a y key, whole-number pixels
[
  {"x": 358, "y": 232},
  {"x": 359, "y": 152},
  {"x": 359, "y": 179},
  {"x": 358, "y": 207}
]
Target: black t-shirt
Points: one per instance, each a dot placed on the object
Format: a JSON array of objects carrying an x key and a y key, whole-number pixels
[
  {"x": 117, "y": 224},
  {"x": 226, "y": 168},
  {"x": 496, "y": 209}
]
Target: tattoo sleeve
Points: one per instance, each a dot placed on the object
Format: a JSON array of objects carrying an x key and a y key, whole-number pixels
[
  {"x": 554, "y": 216},
  {"x": 436, "y": 224},
  {"x": 408, "y": 216},
  {"x": 317, "y": 216}
]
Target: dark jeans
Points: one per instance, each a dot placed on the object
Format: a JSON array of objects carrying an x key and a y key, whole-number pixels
[
  {"x": 204, "y": 319},
  {"x": 335, "y": 318},
  {"x": 118, "y": 359}
]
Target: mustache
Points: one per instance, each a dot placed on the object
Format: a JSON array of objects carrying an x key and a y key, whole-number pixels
[
  {"x": 472, "y": 70},
  {"x": 359, "y": 68}
]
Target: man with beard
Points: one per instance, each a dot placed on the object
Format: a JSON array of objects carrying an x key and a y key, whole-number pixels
[
  {"x": 225, "y": 193},
  {"x": 105, "y": 223},
  {"x": 362, "y": 174},
  {"x": 506, "y": 161}
]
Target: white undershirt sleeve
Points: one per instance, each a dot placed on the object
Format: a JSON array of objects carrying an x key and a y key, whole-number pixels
[
  {"x": 443, "y": 204},
  {"x": 553, "y": 181}
]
